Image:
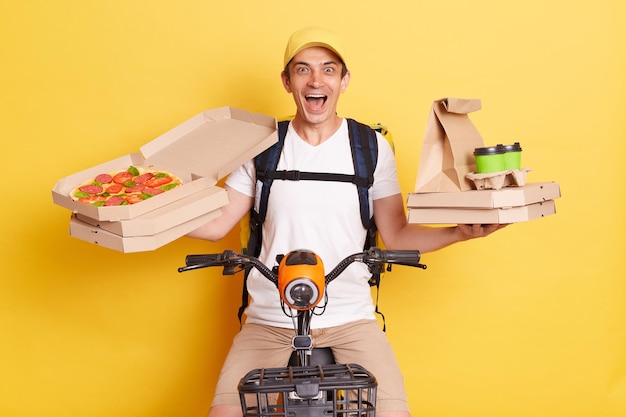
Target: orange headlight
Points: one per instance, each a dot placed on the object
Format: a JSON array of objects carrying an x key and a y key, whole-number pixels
[{"x": 301, "y": 280}]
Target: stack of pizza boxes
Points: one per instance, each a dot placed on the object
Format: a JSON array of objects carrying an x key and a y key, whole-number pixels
[
  {"x": 449, "y": 191},
  {"x": 200, "y": 152}
]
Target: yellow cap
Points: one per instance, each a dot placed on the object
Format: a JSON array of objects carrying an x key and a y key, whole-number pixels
[{"x": 313, "y": 36}]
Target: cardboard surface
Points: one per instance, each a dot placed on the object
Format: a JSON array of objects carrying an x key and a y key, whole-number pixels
[
  {"x": 497, "y": 180},
  {"x": 486, "y": 199},
  {"x": 448, "y": 149},
  {"x": 481, "y": 216},
  {"x": 200, "y": 151},
  {"x": 164, "y": 218},
  {"x": 93, "y": 234}
]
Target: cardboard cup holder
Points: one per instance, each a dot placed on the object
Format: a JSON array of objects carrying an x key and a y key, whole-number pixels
[{"x": 500, "y": 179}]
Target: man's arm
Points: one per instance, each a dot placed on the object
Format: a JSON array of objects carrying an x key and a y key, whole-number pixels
[
  {"x": 397, "y": 233},
  {"x": 238, "y": 205}
]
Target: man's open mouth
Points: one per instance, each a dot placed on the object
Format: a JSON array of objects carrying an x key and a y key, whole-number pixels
[{"x": 316, "y": 100}]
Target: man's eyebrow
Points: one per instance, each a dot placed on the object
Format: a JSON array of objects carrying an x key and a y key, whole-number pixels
[{"x": 308, "y": 64}]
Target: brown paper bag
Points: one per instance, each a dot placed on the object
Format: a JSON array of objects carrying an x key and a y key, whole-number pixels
[{"x": 448, "y": 150}]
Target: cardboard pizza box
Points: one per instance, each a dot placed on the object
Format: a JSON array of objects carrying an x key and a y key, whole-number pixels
[
  {"x": 458, "y": 215},
  {"x": 166, "y": 217},
  {"x": 200, "y": 151},
  {"x": 96, "y": 235},
  {"x": 487, "y": 199}
]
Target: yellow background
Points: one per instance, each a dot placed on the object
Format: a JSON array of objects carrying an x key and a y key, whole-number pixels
[{"x": 528, "y": 322}]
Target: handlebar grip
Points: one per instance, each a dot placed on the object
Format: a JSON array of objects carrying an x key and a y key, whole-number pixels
[
  {"x": 408, "y": 256},
  {"x": 402, "y": 257},
  {"x": 206, "y": 259}
]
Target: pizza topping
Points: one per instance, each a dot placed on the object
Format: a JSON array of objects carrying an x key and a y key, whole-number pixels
[
  {"x": 158, "y": 181},
  {"x": 134, "y": 199},
  {"x": 134, "y": 171},
  {"x": 154, "y": 191},
  {"x": 168, "y": 186},
  {"x": 122, "y": 177},
  {"x": 140, "y": 179},
  {"x": 115, "y": 200},
  {"x": 103, "y": 179},
  {"x": 114, "y": 188},
  {"x": 93, "y": 199},
  {"x": 134, "y": 188},
  {"x": 91, "y": 189},
  {"x": 124, "y": 187}
]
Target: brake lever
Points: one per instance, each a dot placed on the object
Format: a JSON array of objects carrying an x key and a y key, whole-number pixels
[
  {"x": 417, "y": 265},
  {"x": 192, "y": 267},
  {"x": 232, "y": 269}
]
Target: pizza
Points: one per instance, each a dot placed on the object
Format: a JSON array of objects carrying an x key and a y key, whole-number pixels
[{"x": 120, "y": 188}]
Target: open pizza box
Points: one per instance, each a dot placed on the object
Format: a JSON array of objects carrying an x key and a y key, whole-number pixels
[{"x": 200, "y": 151}]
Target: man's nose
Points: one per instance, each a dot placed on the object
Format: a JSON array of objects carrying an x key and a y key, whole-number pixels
[{"x": 316, "y": 80}]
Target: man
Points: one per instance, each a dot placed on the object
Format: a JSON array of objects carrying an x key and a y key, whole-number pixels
[{"x": 324, "y": 217}]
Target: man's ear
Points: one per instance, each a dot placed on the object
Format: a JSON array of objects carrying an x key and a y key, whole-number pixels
[
  {"x": 286, "y": 81},
  {"x": 345, "y": 81}
]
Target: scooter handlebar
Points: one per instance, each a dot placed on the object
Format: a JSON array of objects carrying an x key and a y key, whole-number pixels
[{"x": 230, "y": 260}]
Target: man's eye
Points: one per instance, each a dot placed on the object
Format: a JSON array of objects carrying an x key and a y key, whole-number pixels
[{"x": 329, "y": 70}]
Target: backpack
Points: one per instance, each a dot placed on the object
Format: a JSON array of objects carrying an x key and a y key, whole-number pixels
[{"x": 364, "y": 147}]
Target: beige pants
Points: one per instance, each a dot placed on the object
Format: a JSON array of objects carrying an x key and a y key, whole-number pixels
[{"x": 362, "y": 342}]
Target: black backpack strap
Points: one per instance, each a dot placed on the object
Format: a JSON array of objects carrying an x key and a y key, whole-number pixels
[
  {"x": 316, "y": 176},
  {"x": 364, "y": 146},
  {"x": 364, "y": 156},
  {"x": 263, "y": 163},
  {"x": 266, "y": 163}
]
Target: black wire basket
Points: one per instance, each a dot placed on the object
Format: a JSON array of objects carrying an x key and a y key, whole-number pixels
[{"x": 337, "y": 390}]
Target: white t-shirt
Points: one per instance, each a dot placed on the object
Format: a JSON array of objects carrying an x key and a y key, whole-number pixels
[{"x": 322, "y": 216}]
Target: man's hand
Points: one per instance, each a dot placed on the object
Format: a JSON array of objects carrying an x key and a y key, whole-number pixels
[{"x": 472, "y": 231}]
